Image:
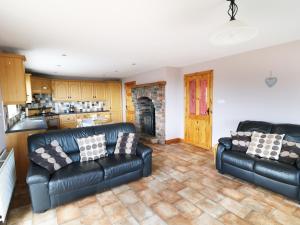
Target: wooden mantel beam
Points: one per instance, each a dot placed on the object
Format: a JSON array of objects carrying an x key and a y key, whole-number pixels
[{"x": 158, "y": 83}]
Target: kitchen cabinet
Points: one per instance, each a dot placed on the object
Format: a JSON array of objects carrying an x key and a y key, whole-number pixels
[
  {"x": 40, "y": 85},
  {"x": 66, "y": 90},
  {"x": 74, "y": 91},
  {"x": 28, "y": 88},
  {"x": 12, "y": 79},
  {"x": 18, "y": 141},
  {"x": 67, "y": 121},
  {"x": 87, "y": 91},
  {"x": 115, "y": 101}
]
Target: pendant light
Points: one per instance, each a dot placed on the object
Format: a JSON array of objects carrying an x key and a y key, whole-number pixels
[{"x": 235, "y": 31}]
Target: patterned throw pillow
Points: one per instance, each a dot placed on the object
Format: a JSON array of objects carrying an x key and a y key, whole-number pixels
[
  {"x": 126, "y": 143},
  {"x": 92, "y": 147},
  {"x": 290, "y": 152},
  {"x": 265, "y": 145},
  {"x": 51, "y": 157},
  {"x": 240, "y": 141}
]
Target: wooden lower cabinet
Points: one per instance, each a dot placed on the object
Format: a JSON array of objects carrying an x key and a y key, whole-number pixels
[
  {"x": 18, "y": 141},
  {"x": 67, "y": 121}
]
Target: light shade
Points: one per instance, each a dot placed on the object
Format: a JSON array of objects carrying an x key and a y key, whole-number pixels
[{"x": 233, "y": 32}]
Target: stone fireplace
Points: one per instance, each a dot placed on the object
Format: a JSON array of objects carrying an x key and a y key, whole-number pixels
[{"x": 149, "y": 103}]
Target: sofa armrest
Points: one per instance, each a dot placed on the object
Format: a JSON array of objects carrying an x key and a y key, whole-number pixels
[
  {"x": 38, "y": 182},
  {"x": 226, "y": 141},
  {"x": 37, "y": 174},
  {"x": 145, "y": 153}
]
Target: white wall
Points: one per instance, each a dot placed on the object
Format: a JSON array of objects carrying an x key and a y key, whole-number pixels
[
  {"x": 173, "y": 93},
  {"x": 240, "y": 92}
]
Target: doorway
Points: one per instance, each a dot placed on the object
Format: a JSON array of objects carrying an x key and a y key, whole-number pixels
[{"x": 198, "y": 108}]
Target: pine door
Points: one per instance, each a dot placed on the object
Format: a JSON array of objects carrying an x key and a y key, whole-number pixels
[{"x": 198, "y": 109}]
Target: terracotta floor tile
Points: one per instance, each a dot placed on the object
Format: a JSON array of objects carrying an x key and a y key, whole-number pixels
[
  {"x": 128, "y": 197},
  {"x": 187, "y": 209},
  {"x": 169, "y": 196},
  {"x": 191, "y": 195},
  {"x": 165, "y": 210},
  {"x": 231, "y": 219},
  {"x": 66, "y": 213},
  {"x": 116, "y": 212},
  {"x": 184, "y": 188},
  {"x": 232, "y": 193},
  {"x": 284, "y": 218},
  {"x": 106, "y": 198},
  {"x": 85, "y": 201},
  {"x": 206, "y": 219},
  {"x": 149, "y": 197},
  {"x": 140, "y": 211},
  {"x": 179, "y": 220},
  {"x": 211, "y": 208},
  {"x": 92, "y": 209},
  {"x": 235, "y": 207},
  {"x": 260, "y": 219},
  {"x": 153, "y": 220}
]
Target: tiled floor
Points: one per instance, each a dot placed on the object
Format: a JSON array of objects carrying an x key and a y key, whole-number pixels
[{"x": 184, "y": 189}]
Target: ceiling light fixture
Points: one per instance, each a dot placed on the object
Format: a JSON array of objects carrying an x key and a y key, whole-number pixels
[
  {"x": 235, "y": 31},
  {"x": 64, "y": 55}
]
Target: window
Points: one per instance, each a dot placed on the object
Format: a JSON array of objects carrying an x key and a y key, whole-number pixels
[{"x": 12, "y": 111}]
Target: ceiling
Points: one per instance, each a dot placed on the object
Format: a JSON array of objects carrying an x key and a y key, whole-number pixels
[{"x": 117, "y": 38}]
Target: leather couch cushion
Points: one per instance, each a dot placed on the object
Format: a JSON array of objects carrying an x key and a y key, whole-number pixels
[
  {"x": 116, "y": 165},
  {"x": 287, "y": 129},
  {"x": 75, "y": 176},
  {"x": 258, "y": 126},
  {"x": 277, "y": 171},
  {"x": 239, "y": 159}
]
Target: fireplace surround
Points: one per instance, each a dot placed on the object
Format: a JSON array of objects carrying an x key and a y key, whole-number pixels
[{"x": 149, "y": 103}]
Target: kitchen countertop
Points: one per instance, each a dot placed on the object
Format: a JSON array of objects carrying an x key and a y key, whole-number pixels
[
  {"x": 28, "y": 124},
  {"x": 62, "y": 113}
]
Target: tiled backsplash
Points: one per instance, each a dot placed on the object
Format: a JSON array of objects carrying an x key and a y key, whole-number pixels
[{"x": 45, "y": 100}]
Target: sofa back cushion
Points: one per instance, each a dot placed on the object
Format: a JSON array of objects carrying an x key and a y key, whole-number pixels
[
  {"x": 291, "y": 131},
  {"x": 67, "y": 138},
  {"x": 258, "y": 126}
]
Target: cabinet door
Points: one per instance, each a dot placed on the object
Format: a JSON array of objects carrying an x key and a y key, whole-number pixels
[
  {"x": 40, "y": 85},
  {"x": 74, "y": 90},
  {"x": 87, "y": 93},
  {"x": 28, "y": 88},
  {"x": 115, "y": 96},
  {"x": 60, "y": 90},
  {"x": 99, "y": 91},
  {"x": 12, "y": 83}
]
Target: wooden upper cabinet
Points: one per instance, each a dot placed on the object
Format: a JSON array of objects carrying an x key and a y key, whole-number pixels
[
  {"x": 115, "y": 96},
  {"x": 60, "y": 90},
  {"x": 40, "y": 85},
  {"x": 87, "y": 93},
  {"x": 74, "y": 90},
  {"x": 28, "y": 88},
  {"x": 12, "y": 79},
  {"x": 99, "y": 91}
]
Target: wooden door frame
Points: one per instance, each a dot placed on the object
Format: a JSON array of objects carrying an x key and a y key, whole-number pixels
[
  {"x": 133, "y": 83},
  {"x": 211, "y": 74}
]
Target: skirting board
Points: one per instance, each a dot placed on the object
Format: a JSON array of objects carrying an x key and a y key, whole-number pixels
[{"x": 174, "y": 141}]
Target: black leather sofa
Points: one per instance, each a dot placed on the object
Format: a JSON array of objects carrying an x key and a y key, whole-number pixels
[
  {"x": 278, "y": 177},
  {"x": 78, "y": 180}
]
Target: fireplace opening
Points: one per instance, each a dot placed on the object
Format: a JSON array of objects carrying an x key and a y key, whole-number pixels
[{"x": 147, "y": 116}]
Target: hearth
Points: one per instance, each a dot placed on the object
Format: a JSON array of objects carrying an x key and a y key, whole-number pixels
[
  {"x": 147, "y": 116},
  {"x": 149, "y": 104}
]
